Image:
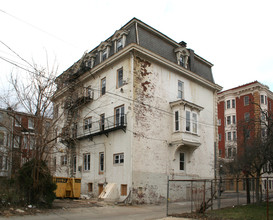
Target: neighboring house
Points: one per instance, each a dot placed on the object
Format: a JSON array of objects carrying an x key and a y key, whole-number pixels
[
  {"x": 18, "y": 136},
  {"x": 5, "y": 143},
  {"x": 137, "y": 108},
  {"x": 237, "y": 106}
]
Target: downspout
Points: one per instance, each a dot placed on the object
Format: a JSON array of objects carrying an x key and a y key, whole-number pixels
[{"x": 137, "y": 37}]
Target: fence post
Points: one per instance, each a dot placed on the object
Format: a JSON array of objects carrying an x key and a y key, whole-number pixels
[
  {"x": 191, "y": 197},
  {"x": 237, "y": 190},
  {"x": 167, "y": 210},
  {"x": 204, "y": 197},
  {"x": 267, "y": 200},
  {"x": 219, "y": 194},
  {"x": 211, "y": 194}
]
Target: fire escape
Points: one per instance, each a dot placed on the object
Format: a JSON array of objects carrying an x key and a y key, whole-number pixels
[{"x": 76, "y": 97}]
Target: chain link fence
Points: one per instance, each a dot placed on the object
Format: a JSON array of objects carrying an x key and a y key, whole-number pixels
[{"x": 187, "y": 196}]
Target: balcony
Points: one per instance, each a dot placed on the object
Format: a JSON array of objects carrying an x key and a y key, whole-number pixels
[
  {"x": 186, "y": 140},
  {"x": 105, "y": 126}
]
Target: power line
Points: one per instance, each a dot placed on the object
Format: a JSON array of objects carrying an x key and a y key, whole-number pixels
[{"x": 35, "y": 27}]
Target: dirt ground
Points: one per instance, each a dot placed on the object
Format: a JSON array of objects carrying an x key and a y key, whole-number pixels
[{"x": 64, "y": 204}]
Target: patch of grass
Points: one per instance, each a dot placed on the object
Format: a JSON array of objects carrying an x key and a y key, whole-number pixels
[{"x": 246, "y": 212}]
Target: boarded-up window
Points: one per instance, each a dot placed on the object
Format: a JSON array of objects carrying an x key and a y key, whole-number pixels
[
  {"x": 123, "y": 189},
  {"x": 90, "y": 187}
]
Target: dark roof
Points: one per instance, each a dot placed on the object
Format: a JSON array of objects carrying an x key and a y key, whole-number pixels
[{"x": 160, "y": 44}]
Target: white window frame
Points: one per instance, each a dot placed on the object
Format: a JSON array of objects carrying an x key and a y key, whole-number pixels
[
  {"x": 118, "y": 158},
  {"x": 119, "y": 44},
  {"x": 101, "y": 162},
  {"x": 103, "y": 86},
  {"x": 119, "y": 115},
  {"x": 30, "y": 123},
  {"x": 262, "y": 99},
  {"x": 234, "y": 119},
  {"x": 63, "y": 160},
  {"x": 86, "y": 162},
  {"x": 228, "y": 104},
  {"x": 229, "y": 136},
  {"x": 182, "y": 161},
  {"x": 246, "y": 100},
  {"x": 176, "y": 121},
  {"x": 180, "y": 89},
  {"x": 194, "y": 123},
  {"x": 188, "y": 121},
  {"x": 233, "y": 103},
  {"x": 87, "y": 123},
  {"x": 17, "y": 121},
  {"x": 119, "y": 77}
]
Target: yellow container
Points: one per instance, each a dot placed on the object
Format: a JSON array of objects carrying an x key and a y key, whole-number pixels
[{"x": 67, "y": 187}]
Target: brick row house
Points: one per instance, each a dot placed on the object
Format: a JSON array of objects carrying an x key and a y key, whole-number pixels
[
  {"x": 236, "y": 107},
  {"x": 137, "y": 108},
  {"x": 18, "y": 137}
]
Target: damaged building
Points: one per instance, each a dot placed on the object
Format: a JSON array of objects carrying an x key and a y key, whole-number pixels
[{"x": 134, "y": 110}]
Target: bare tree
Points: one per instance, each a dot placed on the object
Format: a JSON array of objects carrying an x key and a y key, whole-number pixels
[{"x": 32, "y": 93}]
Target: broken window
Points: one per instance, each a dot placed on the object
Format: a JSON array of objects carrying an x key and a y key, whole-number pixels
[
  {"x": 90, "y": 187},
  {"x": 120, "y": 78},
  {"x": 123, "y": 189},
  {"x": 86, "y": 162},
  {"x": 103, "y": 86},
  {"x": 119, "y": 158}
]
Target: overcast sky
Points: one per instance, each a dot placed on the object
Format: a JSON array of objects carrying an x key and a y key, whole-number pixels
[{"x": 235, "y": 35}]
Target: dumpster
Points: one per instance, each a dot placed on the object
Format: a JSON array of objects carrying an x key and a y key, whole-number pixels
[{"x": 67, "y": 187}]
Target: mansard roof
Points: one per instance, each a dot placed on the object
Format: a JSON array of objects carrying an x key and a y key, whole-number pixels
[{"x": 137, "y": 32}]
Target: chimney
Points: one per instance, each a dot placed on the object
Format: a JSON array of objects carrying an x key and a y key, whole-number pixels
[{"x": 183, "y": 44}]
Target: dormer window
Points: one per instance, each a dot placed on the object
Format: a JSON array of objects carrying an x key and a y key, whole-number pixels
[
  {"x": 104, "y": 55},
  {"x": 182, "y": 61},
  {"x": 119, "y": 45},
  {"x": 104, "y": 50},
  {"x": 182, "y": 56},
  {"x": 119, "y": 39}
]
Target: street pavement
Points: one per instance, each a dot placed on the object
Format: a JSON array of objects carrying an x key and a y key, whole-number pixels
[{"x": 112, "y": 212}]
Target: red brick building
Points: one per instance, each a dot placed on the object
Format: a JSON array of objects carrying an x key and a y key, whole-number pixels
[
  {"x": 238, "y": 105},
  {"x": 19, "y": 134}
]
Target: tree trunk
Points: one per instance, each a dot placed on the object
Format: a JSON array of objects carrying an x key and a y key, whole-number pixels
[
  {"x": 257, "y": 188},
  {"x": 247, "y": 190}
]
